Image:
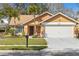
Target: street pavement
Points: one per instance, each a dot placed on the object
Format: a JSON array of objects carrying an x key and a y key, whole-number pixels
[{"x": 45, "y": 52}]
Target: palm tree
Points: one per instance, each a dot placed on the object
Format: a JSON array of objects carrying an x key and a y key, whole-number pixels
[
  {"x": 16, "y": 17},
  {"x": 33, "y": 9},
  {"x": 7, "y": 11},
  {"x": 10, "y": 12}
]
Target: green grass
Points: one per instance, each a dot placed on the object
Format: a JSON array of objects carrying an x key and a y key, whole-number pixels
[
  {"x": 22, "y": 47},
  {"x": 22, "y": 41}
]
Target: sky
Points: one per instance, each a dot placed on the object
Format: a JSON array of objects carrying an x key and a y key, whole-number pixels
[{"x": 73, "y": 6}]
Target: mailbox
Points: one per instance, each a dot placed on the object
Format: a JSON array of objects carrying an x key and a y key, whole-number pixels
[{"x": 27, "y": 37}]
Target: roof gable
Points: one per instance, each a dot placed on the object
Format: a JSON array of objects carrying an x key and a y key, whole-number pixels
[{"x": 71, "y": 19}]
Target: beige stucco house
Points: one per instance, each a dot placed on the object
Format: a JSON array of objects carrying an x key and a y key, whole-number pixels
[{"x": 46, "y": 25}]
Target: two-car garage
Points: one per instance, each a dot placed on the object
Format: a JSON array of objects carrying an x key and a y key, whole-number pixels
[{"x": 59, "y": 31}]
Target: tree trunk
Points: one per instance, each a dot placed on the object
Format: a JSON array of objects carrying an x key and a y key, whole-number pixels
[
  {"x": 14, "y": 26},
  {"x": 35, "y": 32}
]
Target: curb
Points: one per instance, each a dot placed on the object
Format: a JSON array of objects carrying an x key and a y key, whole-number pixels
[{"x": 23, "y": 45}]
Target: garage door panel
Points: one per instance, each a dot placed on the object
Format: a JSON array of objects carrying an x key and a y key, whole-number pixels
[{"x": 59, "y": 31}]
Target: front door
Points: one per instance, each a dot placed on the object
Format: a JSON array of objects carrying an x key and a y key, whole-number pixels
[{"x": 31, "y": 30}]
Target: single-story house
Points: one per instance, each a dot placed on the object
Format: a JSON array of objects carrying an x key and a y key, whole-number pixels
[{"x": 46, "y": 25}]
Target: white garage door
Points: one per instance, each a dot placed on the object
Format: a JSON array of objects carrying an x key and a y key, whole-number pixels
[{"x": 59, "y": 31}]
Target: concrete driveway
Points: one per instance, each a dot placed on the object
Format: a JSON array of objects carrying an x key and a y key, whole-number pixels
[{"x": 63, "y": 43}]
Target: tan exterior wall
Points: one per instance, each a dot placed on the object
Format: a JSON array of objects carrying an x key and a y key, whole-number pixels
[
  {"x": 59, "y": 18},
  {"x": 26, "y": 29},
  {"x": 33, "y": 23},
  {"x": 42, "y": 31}
]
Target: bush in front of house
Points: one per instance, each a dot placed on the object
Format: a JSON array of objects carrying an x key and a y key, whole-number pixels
[
  {"x": 12, "y": 31},
  {"x": 76, "y": 31},
  {"x": 34, "y": 36},
  {"x": 23, "y": 33}
]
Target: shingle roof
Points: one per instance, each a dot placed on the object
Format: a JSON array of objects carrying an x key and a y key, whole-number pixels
[
  {"x": 22, "y": 19},
  {"x": 25, "y": 18}
]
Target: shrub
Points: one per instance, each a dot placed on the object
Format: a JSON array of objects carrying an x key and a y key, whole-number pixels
[
  {"x": 34, "y": 36},
  {"x": 23, "y": 33},
  {"x": 12, "y": 31}
]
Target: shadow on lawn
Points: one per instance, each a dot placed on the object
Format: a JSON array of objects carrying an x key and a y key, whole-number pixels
[{"x": 30, "y": 48}]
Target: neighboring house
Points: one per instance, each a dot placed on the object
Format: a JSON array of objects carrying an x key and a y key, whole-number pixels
[
  {"x": 3, "y": 24},
  {"x": 47, "y": 25}
]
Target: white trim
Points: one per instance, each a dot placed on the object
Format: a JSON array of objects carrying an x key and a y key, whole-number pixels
[
  {"x": 62, "y": 15},
  {"x": 59, "y": 23}
]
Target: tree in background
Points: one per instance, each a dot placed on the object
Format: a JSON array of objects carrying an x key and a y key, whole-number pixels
[
  {"x": 55, "y": 7},
  {"x": 69, "y": 12},
  {"x": 43, "y": 7},
  {"x": 33, "y": 9},
  {"x": 21, "y": 7}
]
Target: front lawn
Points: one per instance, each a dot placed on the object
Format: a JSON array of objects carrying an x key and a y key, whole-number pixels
[
  {"x": 8, "y": 43},
  {"x": 22, "y": 41}
]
